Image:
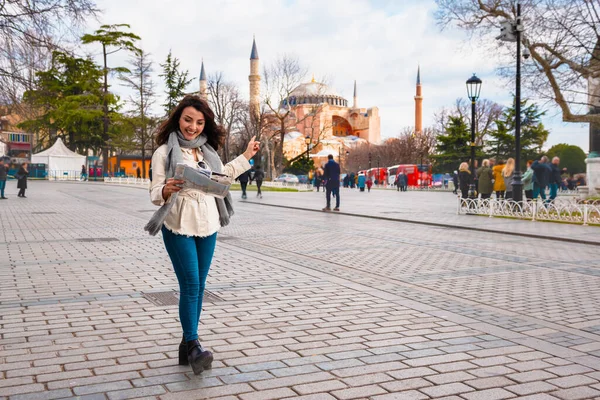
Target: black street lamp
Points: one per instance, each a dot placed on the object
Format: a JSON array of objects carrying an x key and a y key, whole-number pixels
[
  {"x": 473, "y": 90},
  {"x": 347, "y": 155},
  {"x": 517, "y": 184},
  {"x": 512, "y": 31}
]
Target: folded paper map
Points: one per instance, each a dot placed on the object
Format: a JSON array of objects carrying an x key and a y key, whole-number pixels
[{"x": 212, "y": 185}]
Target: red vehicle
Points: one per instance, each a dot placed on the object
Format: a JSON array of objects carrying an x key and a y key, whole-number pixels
[
  {"x": 378, "y": 175},
  {"x": 418, "y": 174}
]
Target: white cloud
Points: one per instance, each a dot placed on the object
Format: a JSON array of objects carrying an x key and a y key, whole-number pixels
[{"x": 378, "y": 43}]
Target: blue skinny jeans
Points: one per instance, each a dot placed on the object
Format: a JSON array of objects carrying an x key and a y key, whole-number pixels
[
  {"x": 2, "y": 187},
  {"x": 191, "y": 257}
]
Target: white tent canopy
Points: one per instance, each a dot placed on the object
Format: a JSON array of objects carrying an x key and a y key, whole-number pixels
[{"x": 59, "y": 160}]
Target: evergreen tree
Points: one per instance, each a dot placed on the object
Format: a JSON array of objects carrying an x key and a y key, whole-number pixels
[
  {"x": 112, "y": 40},
  {"x": 454, "y": 147},
  {"x": 571, "y": 157},
  {"x": 140, "y": 80},
  {"x": 70, "y": 100},
  {"x": 175, "y": 80},
  {"x": 533, "y": 133}
]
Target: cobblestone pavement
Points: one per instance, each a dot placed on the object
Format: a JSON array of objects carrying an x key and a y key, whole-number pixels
[
  {"x": 428, "y": 207},
  {"x": 302, "y": 305}
]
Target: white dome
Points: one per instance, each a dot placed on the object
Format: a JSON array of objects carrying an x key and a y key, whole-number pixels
[
  {"x": 314, "y": 93},
  {"x": 313, "y": 89}
]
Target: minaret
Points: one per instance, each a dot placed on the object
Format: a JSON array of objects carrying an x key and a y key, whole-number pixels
[
  {"x": 254, "y": 79},
  {"x": 355, "y": 105},
  {"x": 203, "y": 83},
  {"x": 418, "y": 105}
]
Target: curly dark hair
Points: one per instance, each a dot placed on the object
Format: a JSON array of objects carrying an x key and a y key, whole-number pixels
[{"x": 214, "y": 133}]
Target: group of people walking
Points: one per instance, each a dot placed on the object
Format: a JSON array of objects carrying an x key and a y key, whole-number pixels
[
  {"x": 497, "y": 177},
  {"x": 21, "y": 177},
  {"x": 254, "y": 174}
]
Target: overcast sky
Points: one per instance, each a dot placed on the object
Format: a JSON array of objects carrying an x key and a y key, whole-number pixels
[{"x": 378, "y": 43}]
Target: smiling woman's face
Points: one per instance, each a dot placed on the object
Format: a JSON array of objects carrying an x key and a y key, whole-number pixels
[{"x": 191, "y": 123}]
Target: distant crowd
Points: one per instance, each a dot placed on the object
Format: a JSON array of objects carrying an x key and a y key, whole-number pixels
[{"x": 496, "y": 176}]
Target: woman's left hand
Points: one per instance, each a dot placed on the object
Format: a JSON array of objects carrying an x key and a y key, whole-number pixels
[{"x": 252, "y": 148}]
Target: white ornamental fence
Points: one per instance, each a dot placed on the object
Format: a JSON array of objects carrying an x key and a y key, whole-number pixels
[
  {"x": 146, "y": 182},
  {"x": 557, "y": 211},
  {"x": 127, "y": 181}
]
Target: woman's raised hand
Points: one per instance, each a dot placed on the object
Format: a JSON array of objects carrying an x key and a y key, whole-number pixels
[{"x": 252, "y": 148}]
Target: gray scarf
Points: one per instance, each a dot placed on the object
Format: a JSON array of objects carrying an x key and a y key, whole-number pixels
[{"x": 175, "y": 156}]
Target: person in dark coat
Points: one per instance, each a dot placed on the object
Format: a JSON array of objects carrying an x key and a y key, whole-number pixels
[
  {"x": 332, "y": 174},
  {"x": 244, "y": 178},
  {"x": 555, "y": 178},
  {"x": 541, "y": 173},
  {"x": 465, "y": 179},
  {"x": 21, "y": 176},
  {"x": 485, "y": 176},
  {"x": 259, "y": 176},
  {"x": 455, "y": 182}
]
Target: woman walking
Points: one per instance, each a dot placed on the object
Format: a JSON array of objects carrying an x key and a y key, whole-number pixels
[
  {"x": 499, "y": 186},
  {"x": 464, "y": 179},
  {"x": 21, "y": 176},
  {"x": 508, "y": 173},
  {"x": 485, "y": 175},
  {"x": 188, "y": 218}
]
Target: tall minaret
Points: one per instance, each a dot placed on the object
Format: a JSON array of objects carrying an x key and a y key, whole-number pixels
[
  {"x": 355, "y": 105},
  {"x": 418, "y": 105},
  {"x": 254, "y": 79},
  {"x": 203, "y": 83}
]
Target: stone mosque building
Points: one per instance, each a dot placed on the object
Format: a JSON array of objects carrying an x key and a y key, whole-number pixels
[{"x": 321, "y": 117}]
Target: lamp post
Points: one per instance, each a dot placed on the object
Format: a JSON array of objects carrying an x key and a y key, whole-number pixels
[
  {"x": 517, "y": 183},
  {"x": 378, "y": 173},
  {"x": 473, "y": 90},
  {"x": 307, "y": 141},
  {"x": 512, "y": 31}
]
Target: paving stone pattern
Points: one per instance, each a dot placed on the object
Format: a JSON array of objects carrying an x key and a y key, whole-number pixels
[{"x": 310, "y": 306}]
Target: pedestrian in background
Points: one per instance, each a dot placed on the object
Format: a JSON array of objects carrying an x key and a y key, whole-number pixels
[
  {"x": 3, "y": 177},
  {"x": 369, "y": 184},
  {"x": 485, "y": 176},
  {"x": 508, "y": 173},
  {"x": 541, "y": 172},
  {"x": 259, "y": 176},
  {"x": 555, "y": 178},
  {"x": 455, "y": 182},
  {"x": 465, "y": 179},
  {"x": 21, "y": 176},
  {"x": 189, "y": 219},
  {"x": 527, "y": 180},
  {"x": 499, "y": 186},
  {"x": 244, "y": 178},
  {"x": 362, "y": 180},
  {"x": 331, "y": 173},
  {"x": 83, "y": 173}
]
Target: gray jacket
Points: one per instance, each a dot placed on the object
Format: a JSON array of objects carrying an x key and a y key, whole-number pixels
[
  {"x": 3, "y": 172},
  {"x": 508, "y": 182}
]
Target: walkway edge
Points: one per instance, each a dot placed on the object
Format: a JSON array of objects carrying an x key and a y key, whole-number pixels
[{"x": 439, "y": 225}]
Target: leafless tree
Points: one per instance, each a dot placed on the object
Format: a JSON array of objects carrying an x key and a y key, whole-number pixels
[
  {"x": 228, "y": 106},
  {"x": 562, "y": 36},
  {"x": 281, "y": 78},
  {"x": 29, "y": 32},
  {"x": 407, "y": 148},
  {"x": 486, "y": 114}
]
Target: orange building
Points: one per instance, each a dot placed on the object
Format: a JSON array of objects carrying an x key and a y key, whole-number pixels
[{"x": 128, "y": 165}]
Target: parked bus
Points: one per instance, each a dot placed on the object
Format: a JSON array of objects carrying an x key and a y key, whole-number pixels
[
  {"x": 418, "y": 174},
  {"x": 378, "y": 175}
]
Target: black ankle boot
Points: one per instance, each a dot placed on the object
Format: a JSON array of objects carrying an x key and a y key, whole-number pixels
[
  {"x": 183, "y": 359},
  {"x": 198, "y": 358}
]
